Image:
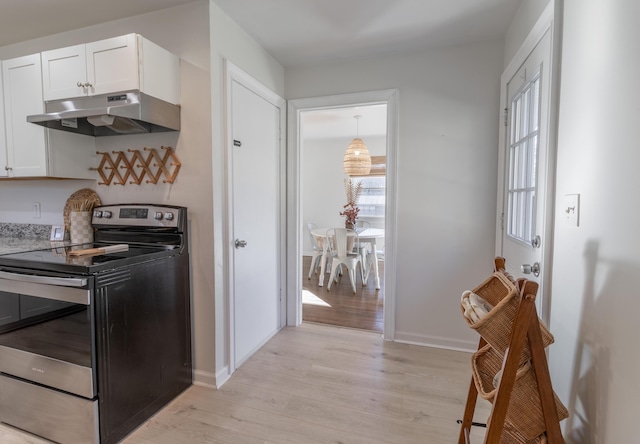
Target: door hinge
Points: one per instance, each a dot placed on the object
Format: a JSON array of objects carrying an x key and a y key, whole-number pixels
[
  {"x": 237, "y": 142},
  {"x": 506, "y": 117},
  {"x": 502, "y": 221}
]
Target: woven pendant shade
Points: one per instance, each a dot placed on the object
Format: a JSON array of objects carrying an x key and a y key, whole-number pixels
[{"x": 357, "y": 161}]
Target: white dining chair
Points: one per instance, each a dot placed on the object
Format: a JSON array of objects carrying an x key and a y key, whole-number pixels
[
  {"x": 317, "y": 245},
  {"x": 341, "y": 248},
  {"x": 364, "y": 249}
]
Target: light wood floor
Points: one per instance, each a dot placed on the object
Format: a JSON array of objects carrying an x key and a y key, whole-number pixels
[
  {"x": 321, "y": 384},
  {"x": 340, "y": 306}
]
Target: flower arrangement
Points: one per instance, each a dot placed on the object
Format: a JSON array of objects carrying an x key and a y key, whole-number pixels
[{"x": 350, "y": 210}]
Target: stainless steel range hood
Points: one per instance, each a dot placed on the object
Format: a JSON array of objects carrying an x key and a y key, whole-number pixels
[{"x": 129, "y": 112}]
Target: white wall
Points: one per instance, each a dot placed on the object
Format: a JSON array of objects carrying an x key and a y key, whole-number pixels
[
  {"x": 446, "y": 174},
  {"x": 17, "y": 198},
  {"x": 519, "y": 28},
  {"x": 322, "y": 186},
  {"x": 595, "y": 361}
]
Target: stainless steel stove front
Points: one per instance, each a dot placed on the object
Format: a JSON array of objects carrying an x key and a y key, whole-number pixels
[{"x": 47, "y": 359}]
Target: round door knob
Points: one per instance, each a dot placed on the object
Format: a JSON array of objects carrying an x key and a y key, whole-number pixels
[{"x": 528, "y": 269}]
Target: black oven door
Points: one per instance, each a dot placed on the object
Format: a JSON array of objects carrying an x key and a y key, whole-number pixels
[{"x": 46, "y": 330}]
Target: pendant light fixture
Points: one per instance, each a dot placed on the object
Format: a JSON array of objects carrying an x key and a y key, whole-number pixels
[{"x": 357, "y": 160}]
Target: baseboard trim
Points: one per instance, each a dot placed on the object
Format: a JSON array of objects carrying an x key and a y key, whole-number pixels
[
  {"x": 223, "y": 376},
  {"x": 204, "y": 379},
  {"x": 436, "y": 342}
]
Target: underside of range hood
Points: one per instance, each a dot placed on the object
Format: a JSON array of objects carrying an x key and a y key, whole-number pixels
[{"x": 130, "y": 112}]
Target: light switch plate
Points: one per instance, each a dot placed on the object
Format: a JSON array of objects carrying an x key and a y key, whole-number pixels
[{"x": 572, "y": 209}]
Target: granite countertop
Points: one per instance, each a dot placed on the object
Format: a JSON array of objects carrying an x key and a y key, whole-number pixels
[
  {"x": 17, "y": 238},
  {"x": 18, "y": 245}
]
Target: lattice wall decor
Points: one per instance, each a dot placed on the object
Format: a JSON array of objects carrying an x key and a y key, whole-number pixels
[{"x": 137, "y": 167}]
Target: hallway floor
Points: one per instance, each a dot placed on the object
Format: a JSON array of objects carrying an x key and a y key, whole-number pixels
[{"x": 339, "y": 306}]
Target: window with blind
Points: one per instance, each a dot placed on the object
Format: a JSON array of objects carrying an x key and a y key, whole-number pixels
[{"x": 372, "y": 195}]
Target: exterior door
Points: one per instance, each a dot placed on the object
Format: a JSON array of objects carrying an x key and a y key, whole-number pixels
[
  {"x": 256, "y": 221},
  {"x": 526, "y": 200}
]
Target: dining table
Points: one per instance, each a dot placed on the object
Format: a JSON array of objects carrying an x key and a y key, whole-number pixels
[{"x": 370, "y": 235}]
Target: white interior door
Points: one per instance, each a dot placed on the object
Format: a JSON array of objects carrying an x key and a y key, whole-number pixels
[
  {"x": 526, "y": 185},
  {"x": 256, "y": 221}
]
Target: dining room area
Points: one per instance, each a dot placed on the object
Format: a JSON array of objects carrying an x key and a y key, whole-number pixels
[{"x": 343, "y": 192}]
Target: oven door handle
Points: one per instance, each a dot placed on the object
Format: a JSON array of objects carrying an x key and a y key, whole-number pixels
[
  {"x": 47, "y": 280},
  {"x": 48, "y": 287}
]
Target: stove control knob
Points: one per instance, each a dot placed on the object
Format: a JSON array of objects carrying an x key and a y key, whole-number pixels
[
  {"x": 97, "y": 214},
  {"x": 168, "y": 216},
  {"x": 157, "y": 215},
  {"x": 106, "y": 214}
]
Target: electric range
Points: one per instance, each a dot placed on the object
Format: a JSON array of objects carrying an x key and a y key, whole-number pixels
[{"x": 93, "y": 345}]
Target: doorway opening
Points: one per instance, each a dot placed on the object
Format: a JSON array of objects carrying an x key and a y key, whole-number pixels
[
  {"x": 325, "y": 134},
  {"x": 298, "y": 239}
]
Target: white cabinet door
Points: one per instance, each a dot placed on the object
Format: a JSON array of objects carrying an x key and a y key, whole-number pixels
[
  {"x": 26, "y": 149},
  {"x": 112, "y": 65},
  {"x": 64, "y": 73},
  {"x": 3, "y": 139}
]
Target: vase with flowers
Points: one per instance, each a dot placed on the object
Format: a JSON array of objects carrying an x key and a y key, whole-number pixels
[{"x": 350, "y": 210}]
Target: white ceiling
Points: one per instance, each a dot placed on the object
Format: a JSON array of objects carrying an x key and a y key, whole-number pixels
[
  {"x": 295, "y": 32},
  {"x": 341, "y": 122},
  {"x": 311, "y": 31}
]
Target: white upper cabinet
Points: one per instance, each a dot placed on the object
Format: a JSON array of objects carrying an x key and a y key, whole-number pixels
[
  {"x": 30, "y": 151},
  {"x": 64, "y": 72},
  {"x": 22, "y": 84},
  {"x": 112, "y": 65},
  {"x": 124, "y": 63}
]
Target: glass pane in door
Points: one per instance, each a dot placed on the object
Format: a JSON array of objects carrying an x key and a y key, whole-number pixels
[{"x": 523, "y": 153}]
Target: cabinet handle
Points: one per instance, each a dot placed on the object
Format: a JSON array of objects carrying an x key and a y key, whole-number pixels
[
  {"x": 88, "y": 85},
  {"x": 8, "y": 168},
  {"x": 79, "y": 84}
]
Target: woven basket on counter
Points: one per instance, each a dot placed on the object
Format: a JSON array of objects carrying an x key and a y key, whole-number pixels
[
  {"x": 501, "y": 291},
  {"x": 524, "y": 422}
]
